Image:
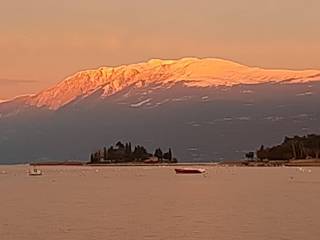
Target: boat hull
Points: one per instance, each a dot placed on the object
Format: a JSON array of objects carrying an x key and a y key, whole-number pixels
[{"x": 189, "y": 171}]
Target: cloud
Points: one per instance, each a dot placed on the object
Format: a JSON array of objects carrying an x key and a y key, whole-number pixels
[{"x": 12, "y": 82}]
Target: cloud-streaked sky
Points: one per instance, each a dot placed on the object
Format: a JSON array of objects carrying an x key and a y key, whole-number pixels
[{"x": 43, "y": 41}]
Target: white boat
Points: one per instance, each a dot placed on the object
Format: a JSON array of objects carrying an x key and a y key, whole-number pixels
[{"x": 35, "y": 172}]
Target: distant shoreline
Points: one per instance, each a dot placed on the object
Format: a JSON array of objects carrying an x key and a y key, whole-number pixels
[
  {"x": 123, "y": 164},
  {"x": 240, "y": 163},
  {"x": 273, "y": 163}
]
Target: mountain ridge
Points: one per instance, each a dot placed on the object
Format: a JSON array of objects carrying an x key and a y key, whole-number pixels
[
  {"x": 191, "y": 72},
  {"x": 206, "y": 109}
]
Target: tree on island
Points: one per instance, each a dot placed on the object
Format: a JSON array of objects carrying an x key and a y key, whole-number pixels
[
  {"x": 120, "y": 146},
  {"x": 292, "y": 148},
  {"x": 110, "y": 154},
  {"x": 122, "y": 153},
  {"x": 249, "y": 155},
  {"x": 140, "y": 153},
  {"x": 168, "y": 155},
  {"x": 95, "y": 157},
  {"x": 261, "y": 153},
  {"x": 158, "y": 154},
  {"x": 92, "y": 159},
  {"x": 105, "y": 154},
  {"x": 128, "y": 150}
]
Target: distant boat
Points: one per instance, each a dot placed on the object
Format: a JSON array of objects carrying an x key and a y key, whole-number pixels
[
  {"x": 35, "y": 172},
  {"x": 189, "y": 170}
]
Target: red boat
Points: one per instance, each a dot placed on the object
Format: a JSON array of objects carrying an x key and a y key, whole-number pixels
[{"x": 189, "y": 170}]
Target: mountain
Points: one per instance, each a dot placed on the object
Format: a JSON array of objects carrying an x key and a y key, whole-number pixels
[
  {"x": 205, "y": 109},
  {"x": 191, "y": 72}
]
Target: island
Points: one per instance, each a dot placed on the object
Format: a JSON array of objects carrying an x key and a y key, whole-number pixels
[
  {"x": 293, "y": 151},
  {"x": 125, "y": 153}
]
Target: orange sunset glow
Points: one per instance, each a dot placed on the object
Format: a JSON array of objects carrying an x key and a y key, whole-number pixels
[
  {"x": 42, "y": 42},
  {"x": 167, "y": 119}
]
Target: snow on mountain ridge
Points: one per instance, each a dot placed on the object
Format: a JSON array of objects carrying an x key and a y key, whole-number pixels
[
  {"x": 22, "y": 96},
  {"x": 192, "y": 72}
]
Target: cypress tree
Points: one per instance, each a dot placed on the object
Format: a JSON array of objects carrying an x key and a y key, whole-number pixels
[
  {"x": 170, "y": 155},
  {"x": 105, "y": 154}
]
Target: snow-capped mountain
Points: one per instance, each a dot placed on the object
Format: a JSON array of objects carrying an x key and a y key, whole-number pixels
[
  {"x": 191, "y": 72},
  {"x": 205, "y": 109}
]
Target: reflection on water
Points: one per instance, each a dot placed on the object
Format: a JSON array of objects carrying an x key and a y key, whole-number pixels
[{"x": 155, "y": 203}]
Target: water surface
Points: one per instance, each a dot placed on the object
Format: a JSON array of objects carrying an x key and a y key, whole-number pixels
[{"x": 154, "y": 203}]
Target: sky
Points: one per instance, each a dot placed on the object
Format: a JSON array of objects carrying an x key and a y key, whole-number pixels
[{"x": 42, "y": 41}]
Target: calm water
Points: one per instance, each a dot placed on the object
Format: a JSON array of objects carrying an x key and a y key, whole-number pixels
[{"x": 154, "y": 203}]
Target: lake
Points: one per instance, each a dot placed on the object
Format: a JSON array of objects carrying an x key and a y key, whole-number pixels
[{"x": 155, "y": 203}]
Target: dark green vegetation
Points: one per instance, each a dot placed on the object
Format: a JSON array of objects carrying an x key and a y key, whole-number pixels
[
  {"x": 297, "y": 147},
  {"x": 249, "y": 155},
  {"x": 124, "y": 153}
]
